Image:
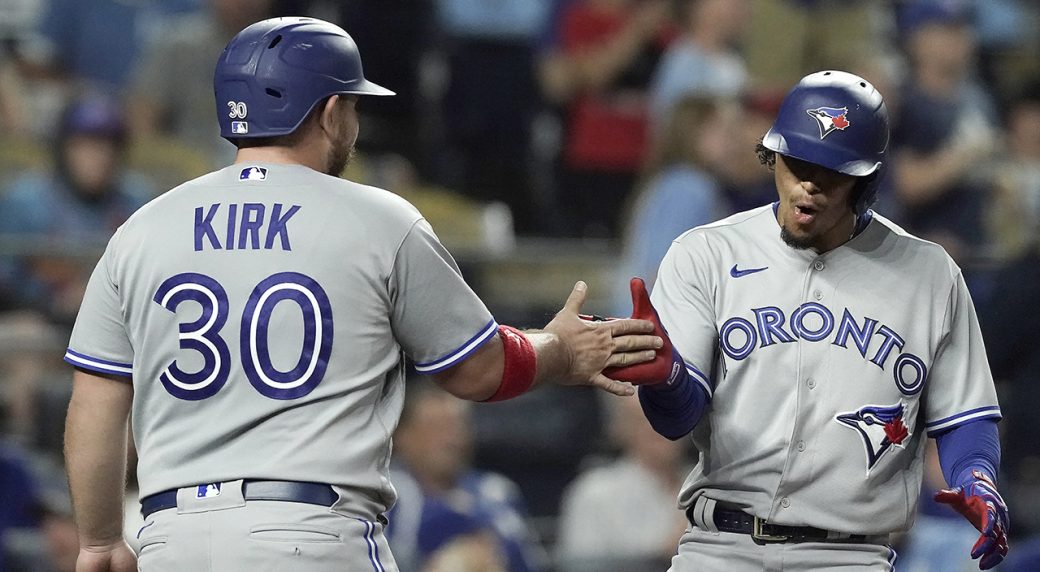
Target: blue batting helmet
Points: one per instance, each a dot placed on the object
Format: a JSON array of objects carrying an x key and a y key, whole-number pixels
[
  {"x": 273, "y": 73},
  {"x": 836, "y": 120}
]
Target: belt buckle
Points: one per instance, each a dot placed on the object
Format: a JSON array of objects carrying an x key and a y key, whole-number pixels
[{"x": 758, "y": 535}]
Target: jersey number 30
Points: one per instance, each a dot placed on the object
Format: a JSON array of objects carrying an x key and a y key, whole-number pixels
[{"x": 203, "y": 335}]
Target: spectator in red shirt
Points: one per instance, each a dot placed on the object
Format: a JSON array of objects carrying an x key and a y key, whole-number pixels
[{"x": 604, "y": 54}]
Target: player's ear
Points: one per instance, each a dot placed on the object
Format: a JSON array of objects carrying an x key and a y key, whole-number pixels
[{"x": 327, "y": 115}]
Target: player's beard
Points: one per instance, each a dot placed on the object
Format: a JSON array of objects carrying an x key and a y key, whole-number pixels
[
  {"x": 793, "y": 241},
  {"x": 339, "y": 157}
]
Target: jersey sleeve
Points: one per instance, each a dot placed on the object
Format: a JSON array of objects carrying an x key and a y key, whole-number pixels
[
  {"x": 959, "y": 386},
  {"x": 683, "y": 297},
  {"x": 99, "y": 339},
  {"x": 436, "y": 316}
]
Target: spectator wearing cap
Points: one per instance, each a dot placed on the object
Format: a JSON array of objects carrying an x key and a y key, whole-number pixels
[
  {"x": 56, "y": 223},
  {"x": 943, "y": 131},
  {"x": 456, "y": 539}
]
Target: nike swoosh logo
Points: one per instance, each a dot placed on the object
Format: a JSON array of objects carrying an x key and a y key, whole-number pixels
[{"x": 736, "y": 273}]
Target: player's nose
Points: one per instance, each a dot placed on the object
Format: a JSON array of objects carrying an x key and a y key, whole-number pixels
[{"x": 810, "y": 186}]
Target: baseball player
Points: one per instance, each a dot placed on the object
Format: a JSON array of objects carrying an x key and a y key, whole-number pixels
[
  {"x": 255, "y": 321},
  {"x": 822, "y": 344}
]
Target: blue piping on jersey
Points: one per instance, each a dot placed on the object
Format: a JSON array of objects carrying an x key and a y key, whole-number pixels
[
  {"x": 97, "y": 364},
  {"x": 699, "y": 377},
  {"x": 460, "y": 353},
  {"x": 987, "y": 412}
]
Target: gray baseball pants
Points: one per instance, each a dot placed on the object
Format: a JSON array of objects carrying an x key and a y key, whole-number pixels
[{"x": 229, "y": 534}]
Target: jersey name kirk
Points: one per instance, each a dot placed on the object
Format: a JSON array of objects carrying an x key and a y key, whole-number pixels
[
  {"x": 247, "y": 226},
  {"x": 876, "y": 342}
]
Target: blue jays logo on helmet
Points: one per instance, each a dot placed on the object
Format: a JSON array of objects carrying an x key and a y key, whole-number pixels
[
  {"x": 829, "y": 119},
  {"x": 881, "y": 428}
]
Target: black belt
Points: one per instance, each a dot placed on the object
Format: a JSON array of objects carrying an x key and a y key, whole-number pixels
[
  {"x": 290, "y": 491},
  {"x": 738, "y": 521}
]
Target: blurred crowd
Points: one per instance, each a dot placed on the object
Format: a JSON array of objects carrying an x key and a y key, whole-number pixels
[{"x": 559, "y": 123}]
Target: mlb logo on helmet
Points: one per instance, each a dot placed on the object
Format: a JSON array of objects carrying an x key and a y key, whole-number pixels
[
  {"x": 829, "y": 119},
  {"x": 240, "y": 127}
]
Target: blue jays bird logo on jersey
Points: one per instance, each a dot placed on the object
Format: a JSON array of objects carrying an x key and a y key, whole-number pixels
[
  {"x": 881, "y": 428},
  {"x": 829, "y": 119}
]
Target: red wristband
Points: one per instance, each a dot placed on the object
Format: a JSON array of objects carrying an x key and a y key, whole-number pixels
[{"x": 520, "y": 366}]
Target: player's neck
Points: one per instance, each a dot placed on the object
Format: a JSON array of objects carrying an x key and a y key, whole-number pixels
[
  {"x": 837, "y": 236},
  {"x": 282, "y": 155}
]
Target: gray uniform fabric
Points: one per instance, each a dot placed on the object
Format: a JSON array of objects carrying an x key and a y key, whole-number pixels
[
  {"x": 827, "y": 371},
  {"x": 263, "y": 312},
  {"x": 227, "y": 533}
]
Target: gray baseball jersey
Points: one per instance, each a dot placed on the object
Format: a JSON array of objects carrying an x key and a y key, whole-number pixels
[
  {"x": 262, "y": 311},
  {"x": 827, "y": 371}
]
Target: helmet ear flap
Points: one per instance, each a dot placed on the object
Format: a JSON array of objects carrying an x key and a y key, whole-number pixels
[{"x": 865, "y": 192}]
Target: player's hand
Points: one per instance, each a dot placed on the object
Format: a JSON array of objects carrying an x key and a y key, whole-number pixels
[
  {"x": 980, "y": 503},
  {"x": 115, "y": 557},
  {"x": 665, "y": 366},
  {"x": 593, "y": 346}
]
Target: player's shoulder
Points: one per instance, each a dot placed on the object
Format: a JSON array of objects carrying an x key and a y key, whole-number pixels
[
  {"x": 383, "y": 200},
  {"x": 916, "y": 250},
  {"x": 364, "y": 199}
]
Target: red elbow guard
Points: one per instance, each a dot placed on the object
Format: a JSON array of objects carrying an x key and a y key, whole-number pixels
[{"x": 520, "y": 364}]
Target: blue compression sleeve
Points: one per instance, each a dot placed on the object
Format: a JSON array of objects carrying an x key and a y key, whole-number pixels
[
  {"x": 967, "y": 447},
  {"x": 674, "y": 410}
]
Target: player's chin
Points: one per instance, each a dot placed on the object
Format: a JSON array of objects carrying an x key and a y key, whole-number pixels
[{"x": 797, "y": 237}]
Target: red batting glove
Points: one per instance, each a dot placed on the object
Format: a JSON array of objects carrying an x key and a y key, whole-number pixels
[
  {"x": 980, "y": 503},
  {"x": 666, "y": 365}
]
